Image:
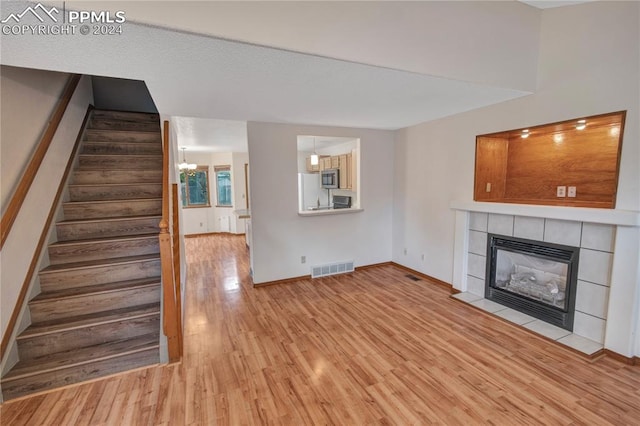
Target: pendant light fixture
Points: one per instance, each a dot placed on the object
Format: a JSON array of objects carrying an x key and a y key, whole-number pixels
[
  {"x": 314, "y": 156},
  {"x": 186, "y": 167}
]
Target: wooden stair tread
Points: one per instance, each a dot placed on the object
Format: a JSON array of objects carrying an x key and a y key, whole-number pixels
[
  {"x": 109, "y": 202},
  {"x": 107, "y": 111},
  {"x": 103, "y": 209},
  {"x": 121, "y": 148},
  {"x": 95, "y": 289},
  {"x": 154, "y": 132},
  {"x": 107, "y": 219},
  {"x": 104, "y": 240},
  {"x": 121, "y": 155},
  {"x": 102, "y": 112},
  {"x": 77, "y": 357},
  {"x": 115, "y": 185},
  {"x": 89, "y": 141},
  {"x": 98, "y": 263},
  {"x": 81, "y": 321},
  {"x": 114, "y": 170}
]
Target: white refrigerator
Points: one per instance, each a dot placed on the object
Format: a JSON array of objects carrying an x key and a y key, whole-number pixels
[{"x": 310, "y": 191}]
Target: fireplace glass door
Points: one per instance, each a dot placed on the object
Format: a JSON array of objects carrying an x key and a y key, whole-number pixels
[
  {"x": 533, "y": 277},
  {"x": 536, "y": 278}
]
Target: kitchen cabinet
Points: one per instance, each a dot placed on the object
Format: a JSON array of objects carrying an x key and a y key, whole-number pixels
[
  {"x": 353, "y": 175},
  {"x": 344, "y": 171},
  {"x": 345, "y": 163},
  {"x": 347, "y": 171},
  {"x": 335, "y": 162},
  {"x": 325, "y": 163}
]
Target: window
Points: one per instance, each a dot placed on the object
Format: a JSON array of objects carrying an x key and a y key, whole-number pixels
[
  {"x": 223, "y": 185},
  {"x": 195, "y": 187}
]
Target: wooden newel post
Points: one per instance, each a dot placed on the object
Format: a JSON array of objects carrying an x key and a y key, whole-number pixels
[{"x": 170, "y": 314}]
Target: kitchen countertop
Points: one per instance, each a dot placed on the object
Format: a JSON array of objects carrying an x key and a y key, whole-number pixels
[
  {"x": 243, "y": 214},
  {"x": 324, "y": 212}
]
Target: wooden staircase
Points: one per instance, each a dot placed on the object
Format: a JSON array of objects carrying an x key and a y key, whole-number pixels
[{"x": 98, "y": 312}]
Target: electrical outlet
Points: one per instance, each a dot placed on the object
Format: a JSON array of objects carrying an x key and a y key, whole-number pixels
[
  {"x": 571, "y": 191},
  {"x": 303, "y": 259},
  {"x": 561, "y": 191},
  {"x": 487, "y": 188}
]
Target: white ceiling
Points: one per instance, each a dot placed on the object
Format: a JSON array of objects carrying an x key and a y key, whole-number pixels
[
  {"x": 212, "y": 86},
  {"x": 191, "y": 75},
  {"x": 210, "y": 135}
]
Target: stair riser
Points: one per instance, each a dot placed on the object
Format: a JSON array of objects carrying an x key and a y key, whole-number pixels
[
  {"x": 54, "y": 379},
  {"x": 104, "y": 210},
  {"x": 88, "y": 162},
  {"x": 87, "y": 336},
  {"x": 125, "y": 115},
  {"x": 120, "y": 192},
  {"x": 115, "y": 136},
  {"x": 53, "y": 281},
  {"x": 119, "y": 148},
  {"x": 89, "y": 177},
  {"x": 111, "y": 124},
  {"x": 106, "y": 229},
  {"x": 92, "y": 303},
  {"x": 102, "y": 250}
]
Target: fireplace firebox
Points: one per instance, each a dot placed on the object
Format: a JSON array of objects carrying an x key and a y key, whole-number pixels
[{"x": 533, "y": 277}]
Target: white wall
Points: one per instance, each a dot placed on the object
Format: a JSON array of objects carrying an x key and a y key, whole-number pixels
[
  {"x": 281, "y": 236},
  {"x": 29, "y": 97},
  {"x": 200, "y": 220},
  {"x": 460, "y": 40},
  {"x": 589, "y": 64},
  {"x": 20, "y": 245}
]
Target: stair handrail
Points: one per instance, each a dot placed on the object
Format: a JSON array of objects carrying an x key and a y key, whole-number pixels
[
  {"x": 21, "y": 191},
  {"x": 171, "y": 311}
]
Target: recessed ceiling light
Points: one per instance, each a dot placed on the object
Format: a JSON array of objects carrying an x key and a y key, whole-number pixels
[
  {"x": 558, "y": 137},
  {"x": 582, "y": 124},
  {"x": 524, "y": 134}
]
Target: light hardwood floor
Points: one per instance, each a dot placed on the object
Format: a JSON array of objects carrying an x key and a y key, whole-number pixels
[{"x": 373, "y": 347}]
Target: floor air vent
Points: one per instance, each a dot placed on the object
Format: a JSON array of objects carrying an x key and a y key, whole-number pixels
[
  {"x": 413, "y": 277},
  {"x": 331, "y": 269}
]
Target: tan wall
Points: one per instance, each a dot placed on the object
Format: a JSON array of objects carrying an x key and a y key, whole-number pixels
[
  {"x": 29, "y": 97},
  {"x": 21, "y": 243}
]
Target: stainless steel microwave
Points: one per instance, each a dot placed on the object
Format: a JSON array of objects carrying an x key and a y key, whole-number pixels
[{"x": 330, "y": 179}]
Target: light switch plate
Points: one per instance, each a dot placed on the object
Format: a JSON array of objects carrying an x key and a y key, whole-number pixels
[
  {"x": 571, "y": 191},
  {"x": 561, "y": 191}
]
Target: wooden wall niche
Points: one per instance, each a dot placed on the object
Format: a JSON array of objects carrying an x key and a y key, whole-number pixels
[{"x": 513, "y": 169}]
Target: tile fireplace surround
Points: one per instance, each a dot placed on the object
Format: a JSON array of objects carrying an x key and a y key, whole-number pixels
[{"x": 607, "y": 292}]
